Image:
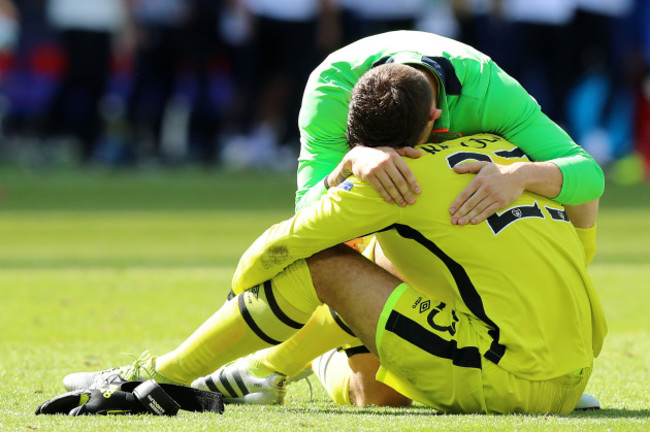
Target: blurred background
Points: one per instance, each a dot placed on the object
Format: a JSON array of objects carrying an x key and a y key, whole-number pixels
[{"x": 217, "y": 83}]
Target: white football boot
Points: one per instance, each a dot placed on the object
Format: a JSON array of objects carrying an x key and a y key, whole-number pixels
[
  {"x": 245, "y": 381},
  {"x": 587, "y": 402},
  {"x": 142, "y": 369}
]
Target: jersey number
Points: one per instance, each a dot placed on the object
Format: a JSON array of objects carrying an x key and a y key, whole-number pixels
[{"x": 499, "y": 221}]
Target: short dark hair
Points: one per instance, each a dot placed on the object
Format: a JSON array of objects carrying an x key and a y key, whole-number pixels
[{"x": 389, "y": 106}]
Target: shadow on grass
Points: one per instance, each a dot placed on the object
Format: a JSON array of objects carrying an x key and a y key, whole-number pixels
[
  {"x": 612, "y": 413},
  {"x": 382, "y": 411},
  {"x": 419, "y": 410}
]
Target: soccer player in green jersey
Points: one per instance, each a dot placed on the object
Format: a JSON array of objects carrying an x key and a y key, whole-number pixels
[
  {"x": 473, "y": 95},
  {"x": 514, "y": 329}
]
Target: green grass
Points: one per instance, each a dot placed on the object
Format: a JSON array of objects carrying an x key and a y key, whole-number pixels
[{"x": 97, "y": 264}]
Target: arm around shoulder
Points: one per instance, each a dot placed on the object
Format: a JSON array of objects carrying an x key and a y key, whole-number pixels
[{"x": 522, "y": 122}]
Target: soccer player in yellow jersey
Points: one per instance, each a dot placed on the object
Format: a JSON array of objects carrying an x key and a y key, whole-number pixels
[
  {"x": 514, "y": 328},
  {"x": 521, "y": 323}
]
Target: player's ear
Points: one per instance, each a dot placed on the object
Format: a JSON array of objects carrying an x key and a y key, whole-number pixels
[{"x": 435, "y": 114}]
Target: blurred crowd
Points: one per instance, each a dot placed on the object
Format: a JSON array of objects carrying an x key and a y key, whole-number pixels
[{"x": 219, "y": 82}]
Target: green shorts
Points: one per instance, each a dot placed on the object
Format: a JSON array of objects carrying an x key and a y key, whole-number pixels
[{"x": 433, "y": 355}]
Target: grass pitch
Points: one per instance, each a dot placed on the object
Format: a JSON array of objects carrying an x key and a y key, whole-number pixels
[{"x": 94, "y": 265}]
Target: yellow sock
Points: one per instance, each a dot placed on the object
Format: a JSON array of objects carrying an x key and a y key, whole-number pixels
[
  {"x": 333, "y": 371},
  {"x": 262, "y": 316},
  {"x": 319, "y": 335},
  {"x": 587, "y": 237}
]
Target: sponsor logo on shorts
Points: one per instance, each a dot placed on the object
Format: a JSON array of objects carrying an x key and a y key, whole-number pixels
[{"x": 451, "y": 329}]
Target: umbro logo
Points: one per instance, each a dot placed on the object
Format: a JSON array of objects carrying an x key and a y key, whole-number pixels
[{"x": 424, "y": 305}]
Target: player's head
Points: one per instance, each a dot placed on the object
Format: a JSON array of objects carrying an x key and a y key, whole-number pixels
[{"x": 391, "y": 105}]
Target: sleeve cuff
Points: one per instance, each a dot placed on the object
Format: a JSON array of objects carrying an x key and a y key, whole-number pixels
[{"x": 582, "y": 180}]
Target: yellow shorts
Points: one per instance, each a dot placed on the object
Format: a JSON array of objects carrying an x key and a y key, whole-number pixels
[{"x": 433, "y": 355}]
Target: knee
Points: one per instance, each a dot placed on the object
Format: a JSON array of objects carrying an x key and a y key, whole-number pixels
[
  {"x": 332, "y": 268},
  {"x": 366, "y": 391}
]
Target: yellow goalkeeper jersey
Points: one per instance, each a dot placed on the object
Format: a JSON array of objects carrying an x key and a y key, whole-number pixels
[{"x": 520, "y": 275}]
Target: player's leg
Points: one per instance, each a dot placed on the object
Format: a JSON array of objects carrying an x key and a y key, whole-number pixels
[
  {"x": 324, "y": 331},
  {"x": 256, "y": 319},
  {"x": 252, "y": 321},
  {"x": 353, "y": 286},
  {"x": 264, "y": 316},
  {"x": 265, "y": 373},
  {"x": 364, "y": 387},
  {"x": 349, "y": 378},
  {"x": 348, "y": 374},
  {"x": 428, "y": 353},
  {"x": 260, "y": 317}
]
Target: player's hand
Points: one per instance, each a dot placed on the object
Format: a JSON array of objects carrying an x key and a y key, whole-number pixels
[
  {"x": 494, "y": 188},
  {"x": 386, "y": 171}
]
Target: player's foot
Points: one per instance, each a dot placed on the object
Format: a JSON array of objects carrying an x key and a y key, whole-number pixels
[
  {"x": 587, "y": 402},
  {"x": 142, "y": 369},
  {"x": 245, "y": 381}
]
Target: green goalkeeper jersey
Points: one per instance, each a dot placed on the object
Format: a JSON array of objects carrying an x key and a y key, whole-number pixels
[
  {"x": 520, "y": 275},
  {"x": 475, "y": 96}
]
